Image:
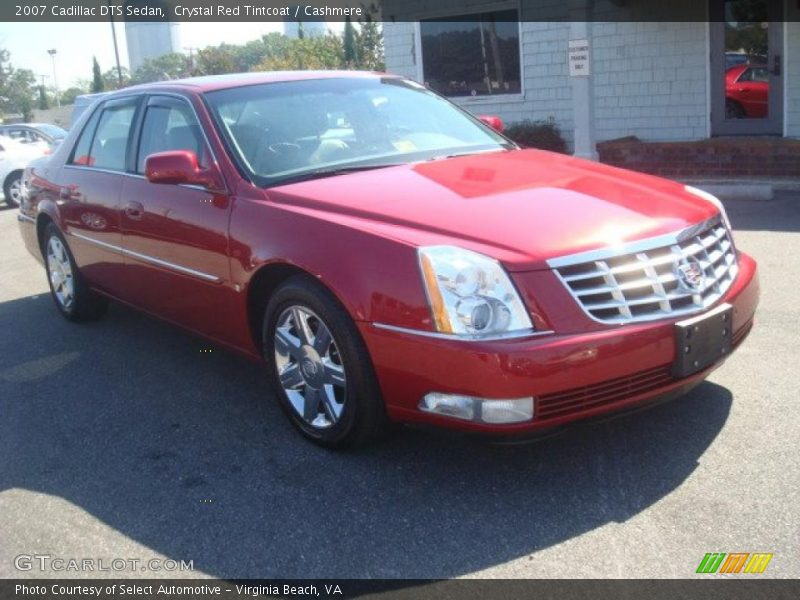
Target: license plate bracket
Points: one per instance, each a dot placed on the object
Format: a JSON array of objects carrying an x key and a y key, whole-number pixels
[{"x": 703, "y": 340}]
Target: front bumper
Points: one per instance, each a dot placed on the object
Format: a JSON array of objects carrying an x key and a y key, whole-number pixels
[{"x": 572, "y": 376}]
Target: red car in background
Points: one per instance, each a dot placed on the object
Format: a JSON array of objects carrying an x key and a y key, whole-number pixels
[
  {"x": 747, "y": 92},
  {"x": 389, "y": 256}
]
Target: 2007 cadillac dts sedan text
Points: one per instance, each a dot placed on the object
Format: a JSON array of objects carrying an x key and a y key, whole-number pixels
[{"x": 388, "y": 255}]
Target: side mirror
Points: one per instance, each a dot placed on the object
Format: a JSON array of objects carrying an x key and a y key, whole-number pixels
[
  {"x": 494, "y": 122},
  {"x": 178, "y": 166}
]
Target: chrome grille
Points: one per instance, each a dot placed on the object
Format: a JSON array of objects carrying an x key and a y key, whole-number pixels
[{"x": 653, "y": 279}]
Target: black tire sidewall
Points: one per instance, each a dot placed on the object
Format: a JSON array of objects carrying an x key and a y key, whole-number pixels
[{"x": 358, "y": 415}]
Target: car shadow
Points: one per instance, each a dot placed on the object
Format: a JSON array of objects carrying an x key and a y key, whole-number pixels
[{"x": 183, "y": 451}]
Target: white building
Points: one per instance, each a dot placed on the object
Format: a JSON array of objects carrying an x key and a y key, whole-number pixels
[
  {"x": 148, "y": 40},
  {"x": 659, "y": 81}
]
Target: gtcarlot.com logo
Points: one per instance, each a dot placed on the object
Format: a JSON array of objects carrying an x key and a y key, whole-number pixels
[
  {"x": 46, "y": 562},
  {"x": 734, "y": 562}
]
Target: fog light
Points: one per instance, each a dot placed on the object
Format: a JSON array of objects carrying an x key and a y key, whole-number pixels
[
  {"x": 507, "y": 411},
  {"x": 460, "y": 407},
  {"x": 484, "y": 410}
]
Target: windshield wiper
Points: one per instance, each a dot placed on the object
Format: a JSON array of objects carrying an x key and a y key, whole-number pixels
[
  {"x": 468, "y": 153},
  {"x": 331, "y": 172}
]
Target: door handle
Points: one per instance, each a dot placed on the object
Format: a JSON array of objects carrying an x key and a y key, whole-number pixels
[{"x": 134, "y": 210}]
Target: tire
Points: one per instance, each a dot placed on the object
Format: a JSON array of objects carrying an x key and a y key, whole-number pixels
[
  {"x": 72, "y": 296},
  {"x": 12, "y": 189},
  {"x": 325, "y": 384},
  {"x": 734, "y": 110}
]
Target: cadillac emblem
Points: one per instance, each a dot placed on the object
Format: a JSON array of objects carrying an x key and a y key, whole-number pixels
[{"x": 689, "y": 273}]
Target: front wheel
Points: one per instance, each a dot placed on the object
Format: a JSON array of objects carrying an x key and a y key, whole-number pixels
[
  {"x": 72, "y": 296},
  {"x": 319, "y": 367}
]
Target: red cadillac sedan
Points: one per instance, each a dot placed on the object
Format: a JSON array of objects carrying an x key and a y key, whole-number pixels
[{"x": 387, "y": 255}]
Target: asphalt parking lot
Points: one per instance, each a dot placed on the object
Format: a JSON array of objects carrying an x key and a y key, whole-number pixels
[{"x": 121, "y": 439}]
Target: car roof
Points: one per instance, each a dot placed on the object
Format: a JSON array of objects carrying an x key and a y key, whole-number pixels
[
  {"x": 737, "y": 69},
  {"x": 219, "y": 82}
]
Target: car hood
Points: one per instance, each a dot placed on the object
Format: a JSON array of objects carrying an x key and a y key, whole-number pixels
[{"x": 522, "y": 207}]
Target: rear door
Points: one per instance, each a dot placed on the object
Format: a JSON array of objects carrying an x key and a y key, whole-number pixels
[
  {"x": 176, "y": 236},
  {"x": 90, "y": 186}
]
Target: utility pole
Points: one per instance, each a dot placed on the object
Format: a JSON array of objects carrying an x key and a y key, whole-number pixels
[
  {"x": 116, "y": 48},
  {"x": 52, "y": 52}
]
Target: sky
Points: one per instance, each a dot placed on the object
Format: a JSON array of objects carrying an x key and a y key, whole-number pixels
[{"x": 28, "y": 44}]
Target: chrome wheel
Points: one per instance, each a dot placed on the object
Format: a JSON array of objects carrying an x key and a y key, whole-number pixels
[
  {"x": 309, "y": 367},
  {"x": 59, "y": 270}
]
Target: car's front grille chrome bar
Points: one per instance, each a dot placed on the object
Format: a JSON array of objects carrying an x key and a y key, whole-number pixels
[{"x": 652, "y": 279}]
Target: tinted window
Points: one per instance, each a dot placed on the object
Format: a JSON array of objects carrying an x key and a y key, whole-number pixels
[
  {"x": 755, "y": 74},
  {"x": 111, "y": 139},
  {"x": 80, "y": 156},
  {"x": 475, "y": 56},
  {"x": 169, "y": 127}
]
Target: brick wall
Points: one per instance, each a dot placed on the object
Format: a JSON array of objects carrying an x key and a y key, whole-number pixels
[{"x": 755, "y": 158}]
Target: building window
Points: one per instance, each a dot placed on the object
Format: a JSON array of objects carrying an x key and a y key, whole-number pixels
[{"x": 477, "y": 55}]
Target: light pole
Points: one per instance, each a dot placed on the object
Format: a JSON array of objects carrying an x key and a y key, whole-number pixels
[{"x": 52, "y": 53}]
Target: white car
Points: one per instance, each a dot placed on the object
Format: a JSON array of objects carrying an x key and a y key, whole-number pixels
[{"x": 14, "y": 157}]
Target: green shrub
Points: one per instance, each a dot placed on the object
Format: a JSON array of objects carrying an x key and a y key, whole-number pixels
[{"x": 537, "y": 134}]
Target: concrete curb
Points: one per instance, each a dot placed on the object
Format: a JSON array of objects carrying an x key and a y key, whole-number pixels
[{"x": 750, "y": 190}]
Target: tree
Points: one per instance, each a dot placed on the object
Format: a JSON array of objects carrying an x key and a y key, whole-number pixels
[
  {"x": 68, "y": 96},
  {"x": 44, "y": 103},
  {"x": 168, "y": 66},
  {"x": 350, "y": 53},
  {"x": 370, "y": 42},
  {"x": 17, "y": 88},
  {"x": 98, "y": 85},
  {"x": 315, "y": 52},
  {"x": 216, "y": 60},
  {"x": 111, "y": 79}
]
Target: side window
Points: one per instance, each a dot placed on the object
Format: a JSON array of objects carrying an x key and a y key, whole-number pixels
[
  {"x": 111, "y": 139},
  {"x": 80, "y": 155},
  {"x": 170, "y": 126},
  {"x": 104, "y": 140}
]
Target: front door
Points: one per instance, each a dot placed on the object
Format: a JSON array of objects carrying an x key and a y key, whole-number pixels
[
  {"x": 176, "y": 236},
  {"x": 746, "y": 67}
]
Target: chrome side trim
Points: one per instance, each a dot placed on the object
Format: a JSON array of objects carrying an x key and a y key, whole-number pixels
[
  {"x": 517, "y": 335},
  {"x": 96, "y": 169},
  {"x": 633, "y": 247},
  {"x": 25, "y": 218},
  {"x": 150, "y": 259}
]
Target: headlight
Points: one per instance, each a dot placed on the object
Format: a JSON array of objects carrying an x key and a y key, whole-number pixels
[
  {"x": 714, "y": 200},
  {"x": 470, "y": 294}
]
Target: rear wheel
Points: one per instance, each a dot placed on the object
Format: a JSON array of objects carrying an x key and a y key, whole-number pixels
[
  {"x": 319, "y": 366},
  {"x": 12, "y": 189},
  {"x": 72, "y": 296}
]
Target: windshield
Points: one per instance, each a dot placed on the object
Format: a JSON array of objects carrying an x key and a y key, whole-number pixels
[
  {"x": 53, "y": 131},
  {"x": 294, "y": 130}
]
